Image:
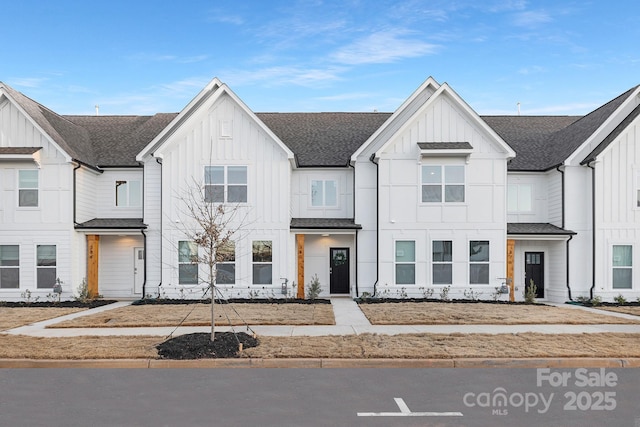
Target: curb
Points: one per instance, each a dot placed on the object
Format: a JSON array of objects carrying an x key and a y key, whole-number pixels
[{"x": 321, "y": 363}]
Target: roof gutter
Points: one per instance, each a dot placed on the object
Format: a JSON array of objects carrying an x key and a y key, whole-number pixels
[{"x": 593, "y": 228}]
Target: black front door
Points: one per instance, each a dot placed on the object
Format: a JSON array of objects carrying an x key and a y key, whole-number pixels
[
  {"x": 339, "y": 271},
  {"x": 534, "y": 270}
]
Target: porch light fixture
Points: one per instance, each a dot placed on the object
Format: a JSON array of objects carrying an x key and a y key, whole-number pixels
[{"x": 325, "y": 235}]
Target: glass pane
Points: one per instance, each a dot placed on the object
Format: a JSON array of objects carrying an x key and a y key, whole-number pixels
[
  {"x": 237, "y": 194},
  {"x": 479, "y": 274},
  {"x": 121, "y": 193},
  {"x": 28, "y": 179},
  {"x": 214, "y": 175},
  {"x": 479, "y": 251},
  {"x": 28, "y": 198},
  {"x": 226, "y": 274},
  {"x": 317, "y": 195},
  {"x": 431, "y": 174},
  {"x": 9, "y": 278},
  {"x": 46, "y": 277},
  {"x": 405, "y": 274},
  {"x": 9, "y": 255},
  {"x": 227, "y": 253},
  {"x": 135, "y": 194},
  {"x": 639, "y": 198},
  {"x": 454, "y": 193},
  {"x": 512, "y": 198},
  {"x": 214, "y": 194},
  {"x": 187, "y": 251},
  {"x": 188, "y": 274},
  {"x": 431, "y": 193},
  {"x": 46, "y": 255},
  {"x": 262, "y": 274},
  {"x": 331, "y": 193},
  {"x": 262, "y": 251},
  {"x": 622, "y": 278},
  {"x": 454, "y": 174},
  {"x": 442, "y": 250},
  {"x": 405, "y": 251},
  {"x": 442, "y": 274},
  {"x": 622, "y": 255},
  {"x": 237, "y": 174},
  {"x": 524, "y": 198}
]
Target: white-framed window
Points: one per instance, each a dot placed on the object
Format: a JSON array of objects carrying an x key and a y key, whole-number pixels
[
  {"x": 519, "y": 198},
  {"x": 226, "y": 264},
  {"x": 9, "y": 266},
  {"x": 324, "y": 193},
  {"x": 443, "y": 183},
  {"x": 405, "y": 262},
  {"x": 128, "y": 193},
  {"x": 442, "y": 262},
  {"x": 637, "y": 188},
  {"x": 225, "y": 184},
  {"x": 187, "y": 262},
  {"x": 28, "y": 187},
  {"x": 262, "y": 258},
  {"x": 479, "y": 262},
  {"x": 46, "y": 262},
  {"x": 622, "y": 266}
]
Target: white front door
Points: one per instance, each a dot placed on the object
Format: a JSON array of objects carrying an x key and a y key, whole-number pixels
[{"x": 138, "y": 270}]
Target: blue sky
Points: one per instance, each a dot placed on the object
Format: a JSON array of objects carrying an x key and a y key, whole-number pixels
[{"x": 143, "y": 57}]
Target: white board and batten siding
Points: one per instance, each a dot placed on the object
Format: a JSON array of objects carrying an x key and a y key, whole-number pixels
[{"x": 224, "y": 134}]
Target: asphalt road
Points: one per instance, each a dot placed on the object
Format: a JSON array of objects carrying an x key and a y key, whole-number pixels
[{"x": 319, "y": 397}]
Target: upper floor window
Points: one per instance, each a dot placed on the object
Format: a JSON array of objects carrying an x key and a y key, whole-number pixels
[
  {"x": 479, "y": 262},
  {"x": 225, "y": 184},
  {"x": 622, "y": 266},
  {"x": 9, "y": 266},
  {"x": 443, "y": 183},
  {"x": 46, "y": 266},
  {"x": 28, "y": 188},
  {"x": 405, "y": 262},
  {"x": 324, "y": 193},
  {"x": 442, "y": 262},
  {"x": 519, "y": 198},
  {"x": 226, "y": 264},
  {"x": 187, "y": 263},
  {"x": 129, "y": 194}
]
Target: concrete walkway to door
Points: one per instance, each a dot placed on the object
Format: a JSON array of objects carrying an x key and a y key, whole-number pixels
[{"x": 347, "y": 312}]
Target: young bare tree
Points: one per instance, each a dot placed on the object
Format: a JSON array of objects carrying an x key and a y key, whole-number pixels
[{"x": 211, "y": 227}]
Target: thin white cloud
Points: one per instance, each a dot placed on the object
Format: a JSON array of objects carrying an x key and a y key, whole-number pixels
[
  {"x": 284, "y": 75},
  {"x": 345, "y": 96},
  {"x": 535, "y": 69},
  {"x": 154, "y": 57},
  {"x": 383, "y": 47},
  {"x": 30, "y": 82},
  {"x": 531, "y": 19}
]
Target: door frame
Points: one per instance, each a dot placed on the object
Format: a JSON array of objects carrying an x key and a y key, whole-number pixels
[
  {"x": 540, "y": 291},
  {"x": 138, "y": 269},
  {"x": 348, "y": 275}
]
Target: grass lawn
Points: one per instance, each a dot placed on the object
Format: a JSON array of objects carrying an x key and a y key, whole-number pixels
[
  {"x": 440, "y": 313},
  {"x": 200, "y": 315},
  {"x": 410, "y": 346},
  {"x": 13, "y": 317}
]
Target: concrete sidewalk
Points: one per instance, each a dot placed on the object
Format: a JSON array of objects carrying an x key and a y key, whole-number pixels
[{"x": 349, "y": 321}]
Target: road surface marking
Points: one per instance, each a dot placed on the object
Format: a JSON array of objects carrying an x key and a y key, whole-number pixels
[{"x": 406, "y": 412}]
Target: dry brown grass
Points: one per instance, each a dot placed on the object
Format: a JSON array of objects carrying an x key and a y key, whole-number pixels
[
  {"x": 409, "y": 346},
  {"x": 440, "y": 313},
  {"x": 200, "y": 315},
  {"x": 12, "y": 317},
  {"x": 632, "y": 309}
]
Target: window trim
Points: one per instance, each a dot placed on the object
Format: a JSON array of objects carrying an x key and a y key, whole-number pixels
[
  {"x": 37, "y": 189},
  {"x": 258, "y": 263},
  {"x": 517, "y": 187},
  {"x": 46, "y": 267},
  {"x": 324, "y": 204},
  {"x": 621, "y": 267},
  {"x": 10, "y": 267},
  {"x": 191, "y": 262},
  {"x": 443, "y": 183},
  {"x": 225, "y": 184},
  {"x": 472, "y": 263},
  {"x": 397, "y": 263},
  {"x": 128, "y": 204},
  {"x": 227, "y": 262},
  {"x": 434, "y": 263}
]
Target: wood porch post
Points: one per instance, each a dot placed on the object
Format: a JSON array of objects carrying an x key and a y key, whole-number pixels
[
  {"x": 511, "y": 251},
  {"x": 93, "y": 243},
  {"x": 300, "y": 249}
]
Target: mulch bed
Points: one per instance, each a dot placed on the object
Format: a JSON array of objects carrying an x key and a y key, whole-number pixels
[
  {"x": 200, "y": 346},
  {"x": 154, "y": 301},
  {"x": 61, "y": 304}
]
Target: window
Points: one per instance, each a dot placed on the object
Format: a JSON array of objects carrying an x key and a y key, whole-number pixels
[
  {"x": 262, "y": 262},
  {"x": 479, "y": 262},
  {"x": 128, "y": 194},
  {"x": 519, "y": 198},
  {"x": 442, "y": 183},
  {"x": 46, "y": 266},
  {"x": 187, "y": 263},
  {"x": 225, "y": 184},
  {"x": 622, "y": 266},
  {"x": 405, "y": 262},
  {"x": 324, "y": 193},
  {"x": 226, "y": 265},
  {"x": 442, "y": 262},
  {"x": 9, "y": 266},
  {"x": 28, "y": 188},
  {"x": 638, "y": 189}
]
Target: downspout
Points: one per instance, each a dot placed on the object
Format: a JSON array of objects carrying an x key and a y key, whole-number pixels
[
  {"x": 353, "y": 192},
  {"x": 161, "y": 192},
  {"x": 593, "y": 229},
  {"x": 375, "y": 285},
  {"x": 144, "y": 275},
  {"x": 563, "y": 225}
]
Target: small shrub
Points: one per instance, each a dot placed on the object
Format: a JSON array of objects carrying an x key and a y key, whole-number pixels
[
  {"x": 596, "y": 300},
  {"x": 314, "y": 288},
  {"x": 530, "y": 292},
  {"x": 472, "y": 294},
  {"x": 620, "y": 299},
  {"x": 426, "y": 292},
  {"x": 83, "y": 293},
  {"x": 402, "y": 293},
  {"x": 444, "y": 293}
]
